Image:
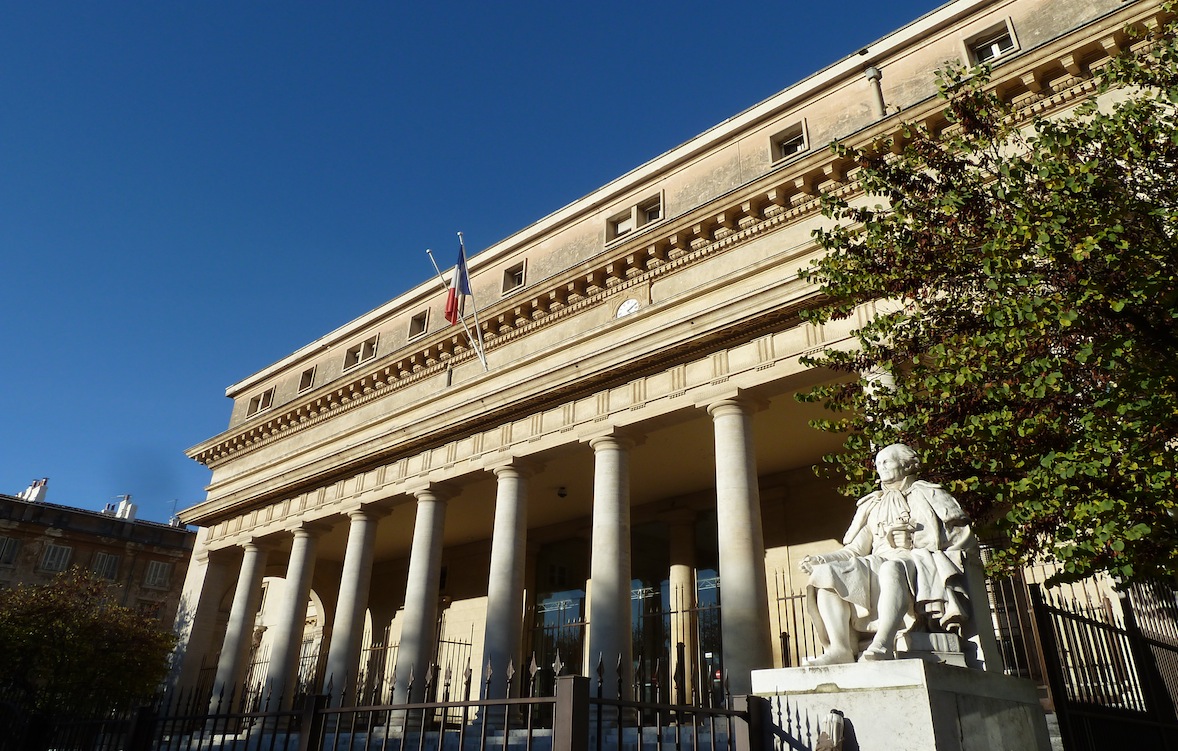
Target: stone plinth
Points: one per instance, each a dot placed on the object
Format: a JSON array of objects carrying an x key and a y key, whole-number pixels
[{"x": 913, "y": 705}]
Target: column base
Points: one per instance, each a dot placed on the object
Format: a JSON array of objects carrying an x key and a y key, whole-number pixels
[{"x": 910, "y": 704}]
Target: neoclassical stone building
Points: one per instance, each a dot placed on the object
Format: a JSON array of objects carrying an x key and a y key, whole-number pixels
[{"x": 631, "y": 472}]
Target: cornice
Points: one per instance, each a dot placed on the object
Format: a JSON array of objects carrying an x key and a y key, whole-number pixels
[{"x": 1037, "y": 82}]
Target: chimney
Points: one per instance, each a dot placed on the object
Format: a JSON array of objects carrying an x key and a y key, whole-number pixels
[
  {"x": 126, "y": 508},
  {"x": 35, "y": 492}
]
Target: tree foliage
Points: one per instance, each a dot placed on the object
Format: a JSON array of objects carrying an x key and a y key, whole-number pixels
[
  {"x": 1028, "y": 273},
  {"x": 68, "y": 646}
]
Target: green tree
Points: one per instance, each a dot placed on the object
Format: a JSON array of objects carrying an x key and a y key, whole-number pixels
[
  {"x": 66, "y": 646},
  {"x": 1027, "y": 270}
]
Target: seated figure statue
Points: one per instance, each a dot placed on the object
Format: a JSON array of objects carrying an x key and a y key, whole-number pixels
[{"x": 903, "y": 568}]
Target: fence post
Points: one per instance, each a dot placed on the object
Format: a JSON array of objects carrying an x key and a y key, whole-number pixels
[
  {"x": 680, "y": 677},
  {"x": 142, "y": 729},
  {"x": 758, "y": 723},
  {"x": 311, "y": 722},
  {"x": 1158, "y": 700},
  {"x": 1053, "y": 661},
  {"x": 570, "y": 725}
]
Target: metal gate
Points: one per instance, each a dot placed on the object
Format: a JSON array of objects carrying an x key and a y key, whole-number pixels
[
  {"x": 374, "y": 676},
  {"x": 558, "y": 634},
  {"x": 1112, "y": 678},
  {"x": 664, "y": 669}
]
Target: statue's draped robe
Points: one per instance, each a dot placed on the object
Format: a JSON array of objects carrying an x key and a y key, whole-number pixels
[{"x": 935, "y": 565}]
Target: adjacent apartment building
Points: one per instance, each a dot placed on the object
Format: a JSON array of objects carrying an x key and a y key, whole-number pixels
[
  {"x": 630, "y": 472},
  {"x": 146, "y": 561}
]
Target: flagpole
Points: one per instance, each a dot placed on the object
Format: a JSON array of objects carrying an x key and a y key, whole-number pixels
[
  {"x": 478, "y": 330},
  {"x": 477, "y": 348}
]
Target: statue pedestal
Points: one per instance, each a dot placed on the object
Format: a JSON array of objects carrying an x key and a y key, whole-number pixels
[
  {"x": 944, "y": 648},
  {"x": 914, "y": 705}
]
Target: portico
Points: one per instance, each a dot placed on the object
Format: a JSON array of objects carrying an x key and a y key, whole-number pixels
[{"x": 457, "y": 580}]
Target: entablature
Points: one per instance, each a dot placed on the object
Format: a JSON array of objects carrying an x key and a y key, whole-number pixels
[{"x": 765, "y": 358}]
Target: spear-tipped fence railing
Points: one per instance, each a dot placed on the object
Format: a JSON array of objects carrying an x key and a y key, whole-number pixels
[
  {"x": 1110, "y": 677},
  {"x": 445, "y": 709}
]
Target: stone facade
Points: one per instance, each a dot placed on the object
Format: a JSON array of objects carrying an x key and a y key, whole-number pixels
[
  {"x": 148, "y": 561},
  {"x": 634, "y": 445}
]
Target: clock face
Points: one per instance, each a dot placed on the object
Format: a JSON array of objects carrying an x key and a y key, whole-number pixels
[{"x": 627, "y": 307}]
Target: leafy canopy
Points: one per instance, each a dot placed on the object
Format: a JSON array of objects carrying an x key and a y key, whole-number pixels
[
  {"x": 1028, "y": 344},
  {"x": 67, "y": 646}
]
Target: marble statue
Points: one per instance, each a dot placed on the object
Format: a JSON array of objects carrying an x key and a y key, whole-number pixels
[{"x": 903, "y": 568}]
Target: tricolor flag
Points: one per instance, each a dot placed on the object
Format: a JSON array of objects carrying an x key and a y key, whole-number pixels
[{"x": 459, "y": 288}]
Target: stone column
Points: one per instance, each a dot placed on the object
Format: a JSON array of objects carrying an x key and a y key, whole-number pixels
[
  {"x": 239, "y": 633},
  {"x": 198, "y": 615},
  {"x": 505, "y": 585},
  {"x": 609, "y": 604},
  {"x": 421, "y": 596},
  {"x": 343, "y": 656},
  {"x": 292, "y": 615},
  {"x": 743, "y": 593},
  {"x": 681, "y": 529}
]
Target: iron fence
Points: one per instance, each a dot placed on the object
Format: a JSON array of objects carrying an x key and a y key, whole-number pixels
[
  {"x": 573, "y": 717},
  {"x": 796, "y": 634},
  {"x": 1110, "y": 679}
]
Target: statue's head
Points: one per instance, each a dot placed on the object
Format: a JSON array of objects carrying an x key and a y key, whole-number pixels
[{"x": 896, "y": 462}]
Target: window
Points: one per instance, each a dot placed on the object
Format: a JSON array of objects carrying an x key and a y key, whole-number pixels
[
  {"x": 307, "y": 379},
  {"x": 991, "y": 44},
  {"x": 261, "y": 402},
  {"x": 650, "y": 211},
  {"x": 635, "y": 217},
  {"x": 358, "y": 353},
  {"x": 788, "y": 142},
  {"x": 623, "y": 224},
  {"x": 158, "y": 574},
  {"x": 419, "y": 324},
  {"x": 56, "y": 557},
  {"x": 8, "y": 548},
  {"x": 105, "y": 565},
  {"x": 513, "y": 278}
]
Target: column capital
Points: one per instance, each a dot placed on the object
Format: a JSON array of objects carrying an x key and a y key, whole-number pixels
[
  {"x": 258, "y": 543},
  {"x": 740, "y": 402},
  {"x": 367, "y": 513},
  {"x": 310, "y": 529},
  {"x": 224, "y": 554},
  {"x": 515, "y": 468},
  {"x": 432, "y": 492},
  {"x": 613, "y": 438},
  {"x": 608, "y": 442}
]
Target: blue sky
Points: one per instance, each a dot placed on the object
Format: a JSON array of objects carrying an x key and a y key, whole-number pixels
[{"x": 191, "y": 190}]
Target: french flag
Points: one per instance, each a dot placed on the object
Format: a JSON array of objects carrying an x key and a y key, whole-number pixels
[{"x": 459, "y": 288}]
